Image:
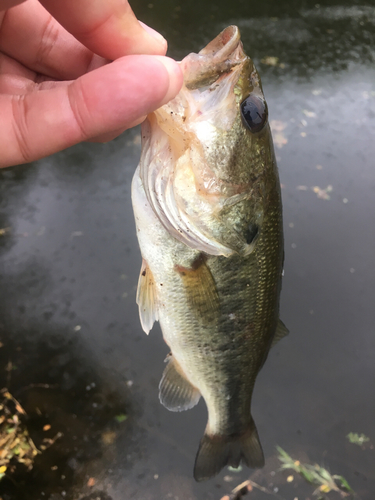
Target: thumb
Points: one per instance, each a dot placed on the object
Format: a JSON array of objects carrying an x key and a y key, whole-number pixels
[{"x": 108, "y": 99}]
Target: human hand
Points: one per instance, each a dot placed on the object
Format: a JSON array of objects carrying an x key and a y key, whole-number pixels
[{"x": 57, "y": 86}]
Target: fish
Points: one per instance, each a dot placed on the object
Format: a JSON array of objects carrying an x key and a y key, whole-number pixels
[{"x": 207, "y": 204}]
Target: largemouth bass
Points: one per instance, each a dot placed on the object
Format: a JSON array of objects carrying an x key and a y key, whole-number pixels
[{"x": 207, "y": 204}]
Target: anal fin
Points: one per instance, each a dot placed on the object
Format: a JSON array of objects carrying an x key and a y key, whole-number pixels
[
  {"x": 146, "y": 298},
  {"x": 175, "y": 392}
]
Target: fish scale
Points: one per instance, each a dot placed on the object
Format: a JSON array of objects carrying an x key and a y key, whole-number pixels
[{"x": 207, "y": 205}]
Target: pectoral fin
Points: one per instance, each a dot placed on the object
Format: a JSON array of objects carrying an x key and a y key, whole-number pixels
[
  {"x": 281, "y": 332},
  {"x": 146, "y": 298},
  {"x": 175, "y": 392},
  {"x": 200, "y": 289}
]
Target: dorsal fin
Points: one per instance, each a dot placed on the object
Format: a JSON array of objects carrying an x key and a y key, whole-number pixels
[{"x": 146, "y": 298}]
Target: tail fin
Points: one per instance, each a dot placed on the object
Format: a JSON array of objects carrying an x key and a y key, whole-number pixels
[{"x": 216, "y": 451}]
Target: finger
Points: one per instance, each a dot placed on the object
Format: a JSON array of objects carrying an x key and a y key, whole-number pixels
[
  {"x": 107, "y": 27},
  {"x": 30, "y": 35},
  {"x": 107, "y": 99},
  {"x": 10, "y": 66},
  {"x": 111, "y": 135},
  {"x": 7, "y": 4},
  {"x": 19, "y": 85}
]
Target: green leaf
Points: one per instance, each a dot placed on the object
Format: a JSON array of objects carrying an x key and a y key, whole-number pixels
[
  {"x": 358, "y": 439},
  {"x": 309, "y": 476},
  {"x": 344, "y": 482},
  {"x": 235, "y": 469},
  {"x": 325, "y": 474},
  {"x": 284, "y": 457},
  {"x": 121, "y": 418}
]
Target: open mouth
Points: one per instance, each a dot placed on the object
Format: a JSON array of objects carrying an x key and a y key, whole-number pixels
[{"x": 218, "y": 57}]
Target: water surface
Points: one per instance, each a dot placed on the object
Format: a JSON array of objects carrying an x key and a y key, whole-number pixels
[{"x": 69, "y": 264}]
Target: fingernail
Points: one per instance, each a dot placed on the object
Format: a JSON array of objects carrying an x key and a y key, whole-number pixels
[
  {"x": 175, "y": 77},
  {"x": 155, "y": 34}
]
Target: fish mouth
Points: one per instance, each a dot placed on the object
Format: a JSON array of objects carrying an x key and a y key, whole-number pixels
[
  {"x": 218, "y": 57},
  {"x": 224, "y": 44}
]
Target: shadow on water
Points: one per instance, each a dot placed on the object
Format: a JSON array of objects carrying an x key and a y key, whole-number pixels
[
  {"x": 66, "y": 397},
  {"x": 14, "y": 184},
  {"x": 69, "y": 264}
]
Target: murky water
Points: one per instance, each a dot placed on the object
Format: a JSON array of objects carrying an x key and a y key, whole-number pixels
[{"x": 73, "y": 350}]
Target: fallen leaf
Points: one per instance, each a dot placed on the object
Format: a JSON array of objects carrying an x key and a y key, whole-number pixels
[
  {"x": 121, "y": 418},
  {"x": 323, "y": 193},
  {"x": 325, "y": 488},
  {"x": 270, "y": 61},
  {"x": 108, "y": 437},
  {"x": 277, "y": 125},
  {"x": 20, "y": 409},
  {"x": 279, "y": 138},
  {"x": 309, "y": 114},
  {"x": 353, "y": 437}
]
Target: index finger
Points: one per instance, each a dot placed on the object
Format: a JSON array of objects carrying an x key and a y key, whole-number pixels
[{"x": 107, "y": 27}]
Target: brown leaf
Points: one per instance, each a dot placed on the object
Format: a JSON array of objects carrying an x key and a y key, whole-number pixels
[{"x": 91, "y": 482}]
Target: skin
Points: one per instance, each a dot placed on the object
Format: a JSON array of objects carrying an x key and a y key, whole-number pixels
[{"x": 76, "y": 71}]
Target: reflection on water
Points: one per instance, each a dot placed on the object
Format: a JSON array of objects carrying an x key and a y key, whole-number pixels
[{"x": 70, "y": 259}]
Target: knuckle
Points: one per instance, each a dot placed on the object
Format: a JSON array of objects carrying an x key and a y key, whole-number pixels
[
  {"x": 80, "y": 112},
  {"x": 20, "y": 128},
  {"x": 48, "y": 40}
]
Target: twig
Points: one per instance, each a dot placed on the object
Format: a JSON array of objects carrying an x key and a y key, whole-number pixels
[
  {"x": 244, "y": 488},
  {"x": 33, "y": 386}
]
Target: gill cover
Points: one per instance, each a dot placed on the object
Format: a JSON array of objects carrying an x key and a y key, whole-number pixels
[{"x": 186, "y": 193}]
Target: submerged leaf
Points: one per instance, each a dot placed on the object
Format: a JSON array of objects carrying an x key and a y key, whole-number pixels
[
  {"x": 314, "y": 474},
  {"x": 325, "y": 488},
  {"x": 358, "y": 439},
  {"x": 344, "y": 482},
  {"x": 235, "y": 469},
  {"x": 121, "y": 418}
]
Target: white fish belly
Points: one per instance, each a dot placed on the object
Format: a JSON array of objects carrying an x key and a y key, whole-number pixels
[{"x": 182, "y": 330}]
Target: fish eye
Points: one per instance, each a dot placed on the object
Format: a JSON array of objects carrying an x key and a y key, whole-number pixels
[{"x": 254, "y": 113}]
